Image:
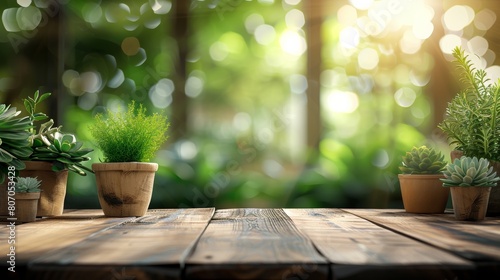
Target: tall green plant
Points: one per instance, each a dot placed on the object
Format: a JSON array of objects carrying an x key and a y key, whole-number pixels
[
  {"x": 472, "y": 121},
  {"x": 50, "y": 144},
  {"x": 130, "y": 136}
]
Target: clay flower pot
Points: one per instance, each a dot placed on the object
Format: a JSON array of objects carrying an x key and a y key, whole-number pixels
[
  {"x": 125, "y": 188},
  {"x": 494, "y": 197},
  {"x": 26, "y": 206},
  {"x": 53, "y": 187},
  {"x": 470, "y": 203},
  {"x": 423, "y": 193}
]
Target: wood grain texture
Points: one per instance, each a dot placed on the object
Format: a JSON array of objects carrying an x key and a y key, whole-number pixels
[
  {"x": 254, "y": 244},
  {"x": 150, "y": 247},
  {"x": 38, "y": 238},
  {"x": 477, "y": 241},
  {"x": 358, "y": 248}
]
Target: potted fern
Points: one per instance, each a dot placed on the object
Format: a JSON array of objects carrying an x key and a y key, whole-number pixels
[
  {"x": 472, "y": 120},
  {"x": 128, "y": 141},
  {"x": 54, "y": 153},
  {"x": 421, "y": 188},
  {"x": 27, "y": 196},
  {"x": 470, "y": 181}
]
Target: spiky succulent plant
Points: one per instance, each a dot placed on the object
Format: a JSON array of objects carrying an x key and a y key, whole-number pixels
[
  {"x": 469, "y": 172},
  {"x": 14, "y": 143},
  {"x": 51, "y": 144},
  {"x": 422, "y": 160},
  {"x": 28, "y": 184}
]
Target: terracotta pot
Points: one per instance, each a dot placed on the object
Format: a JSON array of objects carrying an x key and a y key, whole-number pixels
[
  {"x": 26, "y": 206},
  {"x": 53, "y": 187},
  {"x": 125, "y": 188},
  {"x": 423, "y": 194},
  {"x": 494, "y": 201},
  {"x": 3, "y": 198},
  {"x": 470, "y": 203}
]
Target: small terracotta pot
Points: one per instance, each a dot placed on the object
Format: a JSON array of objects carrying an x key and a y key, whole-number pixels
[
  {"x": 423, "y": 193},
  {"x": 26, "y": 206},
  {"x": 124, "y": 188},
  {"x": 470, "y": 203},
  {"x": 494, "y": 200},
  {"x": 53, "y": 187}
]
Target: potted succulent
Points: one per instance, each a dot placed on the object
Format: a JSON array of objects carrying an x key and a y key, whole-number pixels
[
  {"x": 27, "y": 195},
  {"x": 470, "y": 181},
  {"x": 421, "y": 189},
  {"x": 472, "y": 120},
  {"x": 128, "y": 141},
  {"x": 54, "y": 153},
  {"x": 14, "y": 146}
]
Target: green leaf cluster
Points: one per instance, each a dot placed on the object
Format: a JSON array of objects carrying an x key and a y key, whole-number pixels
[
  {"x": 28, "y": 184},
  {"x": 470, "y": 172},
  {"x": 422, "y": 160},
  {"x": 130, "y": 136},
  {"x": 472, "y": 120},
  {"x": 14, "y": 144},
  {"x": 64, "y": 152},
  {"x": 51, "y": 144}
]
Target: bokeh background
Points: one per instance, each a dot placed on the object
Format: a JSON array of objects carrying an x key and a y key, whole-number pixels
[{"x": 272, "y": 103}]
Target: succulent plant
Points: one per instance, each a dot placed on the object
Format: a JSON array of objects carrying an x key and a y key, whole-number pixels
[
  {"x": 52, "y": 145},
  {"x": 28, "y": 184},
  {"x": 422, "y": 160},
  {"x": 14, "y": 144},
  {"x": 469, "y": 172},
  {"x": 64, "y": 152}
]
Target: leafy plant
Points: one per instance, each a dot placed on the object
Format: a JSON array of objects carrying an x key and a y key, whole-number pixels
[
  {"x": 14, "y": 144},
  {"x": 422, "y": 160},
  {"x": 467, "y": 172},
  {"x": 472, "y": 121},
  {"x": 130, "y": 136},
  {"x": 51, "y": 144},
  {"x": 28, "y": 184}
]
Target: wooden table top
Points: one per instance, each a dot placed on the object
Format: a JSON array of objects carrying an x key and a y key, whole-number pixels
[{"x": 248, "y": 243}]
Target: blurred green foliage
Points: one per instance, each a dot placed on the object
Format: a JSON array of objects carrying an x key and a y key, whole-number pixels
[{"x": 246, "y": 86}]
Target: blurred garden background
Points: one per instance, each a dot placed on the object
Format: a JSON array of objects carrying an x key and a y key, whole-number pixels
[{"x": 272, "y": 103}]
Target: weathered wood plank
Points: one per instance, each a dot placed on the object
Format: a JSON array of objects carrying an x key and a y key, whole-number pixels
[
  {"x": 254, "y": 244},
  {"x": 475, "y": 241},
  {"x": 358, "y": 248},
  {"x": 148, "y": 247},
  {"x": 38, "y": 238},
  {"x": 478, "y": 241}
]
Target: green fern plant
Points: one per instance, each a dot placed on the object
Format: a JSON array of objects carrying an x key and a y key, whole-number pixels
[
  {"x": 130, "y": 136},
  {"x": 472, "y": 120},
  {"x": 469, "y": 172},
  {"x": 422, "y": 160}
]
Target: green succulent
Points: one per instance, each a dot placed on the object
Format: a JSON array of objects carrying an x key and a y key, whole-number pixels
[
  {"x": 422, "y": 160},
  {"x": 467, "y": 172},
  {"x": 52, "y": 145},
  {"x": 64, "y": 152},
  {"x": 14, "y": 144},
  {"x": 28, "y": 184}
]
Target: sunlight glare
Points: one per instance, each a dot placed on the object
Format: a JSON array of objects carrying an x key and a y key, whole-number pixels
[
  {"x": 341, "y": 101},
  {"x": 292, "y": 43},
  {"x": 458, "y": 17},
  {"x": 368, "y": 59},
  {"x": 349, "y": 37}
]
